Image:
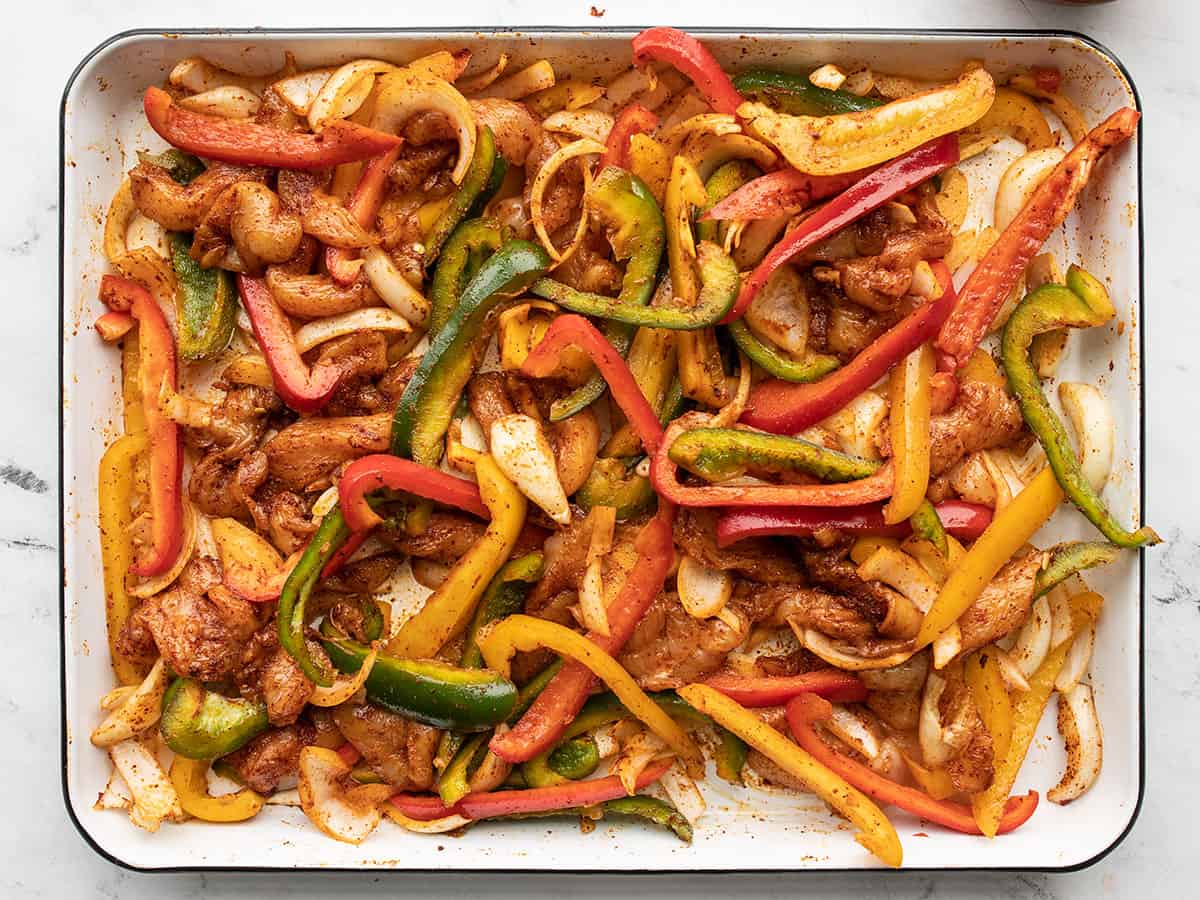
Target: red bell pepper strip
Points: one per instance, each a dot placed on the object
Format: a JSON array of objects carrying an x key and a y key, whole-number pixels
[
  {"x": 349, "y": 754},
  {"x": 871, "y": 192},
  {"x": 576, "y": 330},
  {"x": 664, "y": 476},
  {"x": 344, "y": 552},
  {"x": 490, "y": 804},
  {"x": 634, "y": 119},
  {"x": 779, "y": 194},
  {"x": 343, "y": 265},
  {"x": 114, "y": 325},
  {"x": 832, "y": 684},
  {"x": 251, "y": 144},
  {"x": 156, "y": 367},
  {"x": 302, "y": 389},
  {"x": 382, "y": 470},
  {"x": 689, "y": 56},
  {"x": 784, "y": 407},
  {"x": 804, "y": 709},
  {"x": 965, "y": 521},
  {"x": 557, "y": 705},
  {"x": 1003, "y": 266}
]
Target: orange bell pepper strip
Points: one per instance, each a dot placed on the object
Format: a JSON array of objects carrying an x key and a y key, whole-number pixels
[
  {"x": 805, "y": 709},
  {"x": 248, "y": 143},
  {"x": 998, "y": 273},
  {"x": 909, "y": 392},
  {"x": 156, "y": 367},
  {"x": 344, "y": 265}
]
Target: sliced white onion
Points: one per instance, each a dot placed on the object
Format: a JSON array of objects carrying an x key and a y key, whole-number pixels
[
  {"x": 1013, "y": 677},
  {"x": 140, "y": 710},
  {"x": 426, "y": 826},
  {"x": 344, "y": 91},
  {"x": 639, "y": 751},
  {"x": 907, "y": 676},
  {"x": 345, "y": 686},
  {"x": 683, "y": 107},
  {"x": 154, "y": 797},
  {"x": 852, "y": 728},
  {"x": 592, "y": 606},
  {"x": 857, "y": 424},
  {"x": 472, "y": 84},
  {"x": 1079, "y": 725},
  {"x": 533, "y": 78},
  {"x": 522, "y": 452},
  {"x": 1095, "y": 430},
  {"x": 404, "y": 93},
  {"x": 605, "y": 739},
  {"x": 393, "y": 288},
  {"x": 148, "y": 587},
  {"x": 346, "y": 815},
  {"x": 116, "y": 794},
  {"x": 374, "y": 318},
  {"x": 580, "y": 123},
  {"x": 116, "y": 697},
  {"x": 576, "y": 149},
  {"x": 934, "y": 748},
  {"x": 824, "y": 647},
  {"x": 1021, "y": 179},
  {"x": 198, "y": 75},
  {"x": 300, "y": 90},
  {"x": 683, "y": 793},
  {"x": 228, "y": 102},
  {"x": 708, "y": 152},
  {"x": 1033, "y": 641},
  {"x": 946, "y": 646},
  {"x": 902, "y": 572},
  {"x": 779, "y": 313},
  {"x": 1061, "y": 626},
  {"x": 1078, "y": 658},
  {"x": 828, "y": 76},
  {"x": 290, "y": 797},
  {"x": 703, "y": 591},
  {"x": 709, "y": 123}
]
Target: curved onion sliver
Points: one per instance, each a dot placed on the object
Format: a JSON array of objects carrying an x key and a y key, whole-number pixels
[
  {"x": 300, "y": 90},
  {"x": 709, "y": 123},
  {"x": 708, "y": 152},
  {"x": 1061, "y": 626},
  {"x": 902, "y": 572},
  {"x": 906, "y": 676},
  {"x": 538, "y": 76},
  {"x": 1021, "y": 179},
  {"x": 345, "y": 815},
  {"x": 475, "y": 83},
  {"x": 373, "y": 318},
  {"x": 344, "y": 688},
  {"x": 148, "y": 587},
  {"x": 946, "y": 646},
  {"x": 426, "y": 826},
  {"x": 523, "y": 453},
  {"x": 228, "y": 101},
  {"x": 344, "y": 91},
  {"x": 934, "y": 747},
  {"x": 703, "y": 591},
  {"x": 579, "y": 148},
  {"x": 1033, "y": 641},
  {"x": 403, "y": 93},
  {"x": 1091, "y": 417},
  {"x": 116, "y": 223},
  {"x": 857, "y": 423},
  {"x": 1013, "y": 677},
  {"x": 580, "y": 123},
  {"x": 852, "y": 728},
  {"x": 140, "y": 710},
  {"x": 830, "y": 652},
  {"x": 199, "y": 75},
  {"x": 154, "y": 797},
  {"x": 732, "y": 411},
  {"x": 392, "y": 287},
  {"x": 683, "y": 793},
  {"x": 116, "y": 697},
  {"x": 1079, "y": 725},
  {"x": 1075, "y": 665}
]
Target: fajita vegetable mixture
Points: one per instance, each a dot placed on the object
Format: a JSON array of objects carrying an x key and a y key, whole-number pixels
[{"x": 499, "y": 444}]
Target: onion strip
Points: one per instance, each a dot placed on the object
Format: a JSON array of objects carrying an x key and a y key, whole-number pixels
[
  {"x": 345, "y": 91},
  {"x": 374, "y": 318},
  {"x": 577, "y": 149}
]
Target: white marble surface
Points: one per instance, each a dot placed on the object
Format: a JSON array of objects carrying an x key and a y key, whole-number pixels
[{"x": 40, "y": 853}]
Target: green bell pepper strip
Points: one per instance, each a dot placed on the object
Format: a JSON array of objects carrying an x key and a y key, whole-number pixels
[
  {"x": 426, "y": 690},
  {"x": 721, "y": 183},
  {"x": 719, "y": 286},
  {"x": 636, "y": 230},
  {"x": 372, "y": 623},
  {"x": 653, "y": 810},
  {"x": 731, "y": 756},
  {"x": 479, "y": 175},
  {"x": 797, "y": 96},
  {"x": 613, "y": 482},
  {"x": 428, "y": 402},
  {"x": 1081, "y": 303},
  {"x": 463, "y": 253},
  {"x": 718, "y": 454},
  {"x": 575, "y": 759},
  {"x": 201, "y": 724},
  {"x": 1069, "y": 559},
  {"x": 927, "y": 525},
  {"x": 206, "y": 303},
  {"x": 183, "y": 167},
  {"x": 773, "y": 362},
  {"x": 494, "y": 182}
]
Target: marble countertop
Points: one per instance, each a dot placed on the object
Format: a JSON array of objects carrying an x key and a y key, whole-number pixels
[{"x": 41, "y": 855}]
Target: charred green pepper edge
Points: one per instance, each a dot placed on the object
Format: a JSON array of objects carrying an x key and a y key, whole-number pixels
[
  {"x": 717, "y": 454},
  {"x": 1082, "y": 303},
  {"x": 201, "y": 724},
  {"x": 464, "y": 252},
  {"x": 613, "y": 482},
  {"x": 797, "y": 96},
  {"x": 1068, "y": 559},
  {"x": 205, "y": 303},
  {"x": 927, "y": 525},
  {"x": 773, "y": 362},
  {"x": 428, "y": 402},
  {"x": 651, "y": 809},
  {"x": 478, "y": 176}
]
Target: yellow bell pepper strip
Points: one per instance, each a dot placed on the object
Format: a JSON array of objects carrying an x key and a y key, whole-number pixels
[
  {"x": 833, "y": 145},
  {"x": 1082, "y": 303},
  {"x": 685, "y": 191},
  {"x": 116, "y": 491},
  {"x": 188, "y": 778},
  {"x": 523, "y": 632},
  {"x": 1071, "y": 558},
  {"x": 875, "y": 831},
  {"x": 131, "y": 385},
  {"x": 908, "y": 390},
  {"x": 1027, "y": 709},
  {"x": 449, "y": 609},
  {"x": 1010, "y": 530},
  {"x": 156, "y": 369},
  {"x": 990, "y": 693}
]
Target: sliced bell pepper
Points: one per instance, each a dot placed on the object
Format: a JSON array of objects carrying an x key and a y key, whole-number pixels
[
  {"x": 251, "y": 144},
  {"x": 805, "y": 709},
  {"x": 864, "y": 196},
  {"x": 343, "y": 265},
  {"x": 156, "y": 368},
  {"x": 540, "y": 727},
  {"x": 719, "y": 454},
  {"x": 909, "y": 393},
  {"x": 1071, "y": 558},
  {"x": 478, "y": 175},
  {"x": 504, "y": 597},
  {"x": 461, "y": 256},
  {"x": 1082, "y": 303},
  {"x": 1003, "y": 266},
  {"x": 201, "y": 724},
  {"x": 797, "y": 96},
  {"x": 1010, "y": 530},
  {"x": 633, "y": 119},
  {"x": 927, "y": 525},
  {"x": 989, "y": 692},
  {"x": 727, "y": 179},
  {"x": 448, "y": 609},
  {"x": 428, "y": 402},
  {"x": 966, "y": 521},
  {"x": 189, "y": 778},
  {"x": 115, "y": 480},
  {"x": 304, "y": 390},
  {"x": 613, "y": 482},
  {"x": 113, "y": 325},
  {"x": 653, "y": 361},
  {"x": 784, "y": 408},
  {"x": 205, "y": 303},
  {"x": 776, "y": 690},
  {"x": 689, "y": 56},
  {"x": 785, "y": 192},
  {"x": 379, "y": 471},
  {"x": 426, "y": 690},
  {"x": 1027, "y": 709},
  {"x": 183, "y": 167},
  {"x": 574, "y": 759},
  {"x": 774, "y": 363},
  {"x": 573, "y": 329},
  {"x": 875, "y": 832}
]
